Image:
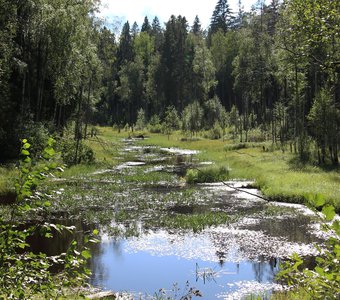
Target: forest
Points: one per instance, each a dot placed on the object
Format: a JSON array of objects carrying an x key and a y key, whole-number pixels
[
  {"x": 268, "y": 74},
  {"x": 159, "y": 141}
]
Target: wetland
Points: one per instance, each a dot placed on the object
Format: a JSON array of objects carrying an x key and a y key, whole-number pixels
[{"x": 162, "y": 237}]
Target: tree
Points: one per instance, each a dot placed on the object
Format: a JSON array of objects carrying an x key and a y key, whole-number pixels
[
  {"x": 224, "y": 47},
  {"x": 193, "y": 117},
  {"x": 146, "y": 27},
  {"x": 107, "y": 51},
  {"x": 324, "y": 125},
  {"x": 222, "y": 17},
  {"x": 196, "y": 28},
  {"x": 125, "y": 50},
  {"x": 204, "y": 70},
  {"x": 213, "y": 112},
  {"x": 173, "y": 60},
  {"x": 171, "y": 120},
  {"x": 157, "y": 34}
]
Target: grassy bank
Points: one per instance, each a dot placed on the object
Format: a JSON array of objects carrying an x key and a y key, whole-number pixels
[{"x": 279, "y": 176}]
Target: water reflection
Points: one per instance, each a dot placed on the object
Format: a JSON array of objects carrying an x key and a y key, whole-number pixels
[{"x": 143, "y": 266}]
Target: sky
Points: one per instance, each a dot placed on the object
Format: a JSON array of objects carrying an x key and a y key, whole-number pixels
[{"x": 136, "y": 10}]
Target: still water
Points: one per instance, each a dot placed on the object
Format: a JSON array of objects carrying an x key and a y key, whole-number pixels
[
  {"x": 161, "y": 260},
  {"x": 141, "y": 251}
]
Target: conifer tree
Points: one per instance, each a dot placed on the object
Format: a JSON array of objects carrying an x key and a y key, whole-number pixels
[
  {"x": 196, "y": 28},
  {"x": 222, "y": 17},
  {"x": 146, "y": 27}
]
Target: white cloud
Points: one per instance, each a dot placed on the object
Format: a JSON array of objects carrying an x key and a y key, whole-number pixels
[{"x": 136, "y": 10}]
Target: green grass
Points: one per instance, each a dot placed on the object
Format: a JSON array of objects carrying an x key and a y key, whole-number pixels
[{"x": 274, "y": 172}]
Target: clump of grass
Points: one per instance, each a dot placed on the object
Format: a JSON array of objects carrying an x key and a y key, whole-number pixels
[
  {"x": 212, "y": 174},
  {"x": 7, "y": 177},
  {"x": 196, "y": 222}
]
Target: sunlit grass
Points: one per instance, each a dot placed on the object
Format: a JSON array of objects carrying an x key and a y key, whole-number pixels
[{"x": 274, "y": 172}]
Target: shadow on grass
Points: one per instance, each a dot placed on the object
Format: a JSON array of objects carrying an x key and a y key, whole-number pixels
[{"x": 298, "y": 164}]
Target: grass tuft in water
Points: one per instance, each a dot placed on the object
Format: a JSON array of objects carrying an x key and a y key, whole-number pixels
[{"x": 206, "y": 175}]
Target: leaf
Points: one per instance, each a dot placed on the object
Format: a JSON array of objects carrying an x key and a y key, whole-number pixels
[
  {"x": 336, "y": 227},
  {"x": 47, "y": 203},
  {"x": 329, "y": 212},
  {"x": 95, "y": 232},
  {"x": 320, "y": 271},
  {"x": 24, "y": 141},
  {"x": 25, "y": 152},
  {"x": 319, "y": 200},
  {"x": 86, "y": 254},
  {"x": 26, "y": 146}
]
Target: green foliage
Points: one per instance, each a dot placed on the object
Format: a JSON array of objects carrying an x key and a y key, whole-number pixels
[
  {"x": 154, "y": 125},
  {"x": 23, "y": 273},
  {"x": 68, "y": 151},
  {"x": 171, "y": 120},
  {"x": 193, "y": 117},
  {"x": 323, "y": 120},
  {"x": 215, "y": 132},
  {"x": 141, "y": 122},
  {"x": 323, "y": 280},
  {"x": 212, "y": 174}
]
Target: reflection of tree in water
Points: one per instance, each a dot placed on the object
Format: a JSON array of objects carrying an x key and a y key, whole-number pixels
[
  {"x": 265, "y": 270},
  {"x": 97, "y": 266}
]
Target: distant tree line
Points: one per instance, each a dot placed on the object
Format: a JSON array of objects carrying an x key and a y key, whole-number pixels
[{"x": 274, "y": 69}]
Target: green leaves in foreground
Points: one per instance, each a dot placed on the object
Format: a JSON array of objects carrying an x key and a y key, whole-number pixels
[
  {"x": 323, "y": 281},
  {"x": 24, "y": 274}
]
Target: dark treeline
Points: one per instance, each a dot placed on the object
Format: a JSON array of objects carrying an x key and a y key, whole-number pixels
[{"x": 273, "y": 70}]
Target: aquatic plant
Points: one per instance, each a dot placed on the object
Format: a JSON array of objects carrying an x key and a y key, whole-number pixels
[{"x": 196, "y": 222}]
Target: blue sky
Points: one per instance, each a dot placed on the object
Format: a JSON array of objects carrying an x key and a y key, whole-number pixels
[{"x": 136, "y": 10}]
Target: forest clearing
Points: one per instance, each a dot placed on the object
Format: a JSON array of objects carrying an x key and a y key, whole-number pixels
[{"x": 169, "y": 160}]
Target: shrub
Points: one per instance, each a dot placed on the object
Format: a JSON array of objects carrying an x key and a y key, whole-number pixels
[
  {"x": 214, "y": 133},
  {"x": 68, "y": 151},
  {"x": 154, "y": 125},
  {"x": 23, "y": 273}
]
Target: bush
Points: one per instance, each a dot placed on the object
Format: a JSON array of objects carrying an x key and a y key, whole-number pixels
[
  {"x": 154, "y": 125},
  {"x": 23, "y": 273},
  {"x": 68, "y": 151},
  {"x": 37, "y": 134},
  {"x": 214, "y": 133}
]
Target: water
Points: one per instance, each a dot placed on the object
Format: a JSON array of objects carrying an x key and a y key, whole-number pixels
[
  {"x": 144, "y": 212},
  {"x": 159, "y": 260}
]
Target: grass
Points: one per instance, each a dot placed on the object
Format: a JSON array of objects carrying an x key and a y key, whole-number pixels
[
  {"x": 7, "y": 178},
  {"x": 274, "y": 172}
]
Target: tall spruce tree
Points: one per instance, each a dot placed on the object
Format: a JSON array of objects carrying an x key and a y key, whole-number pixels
[
  {"x": 146, "y": 27},
  {"x": 196, "y": 28},
  {"x": 125, "y": 50},
  {"x": 222, "y": 17}
]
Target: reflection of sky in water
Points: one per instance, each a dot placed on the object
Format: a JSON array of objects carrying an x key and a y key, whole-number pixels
[{"x": 159, "y": 260}]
